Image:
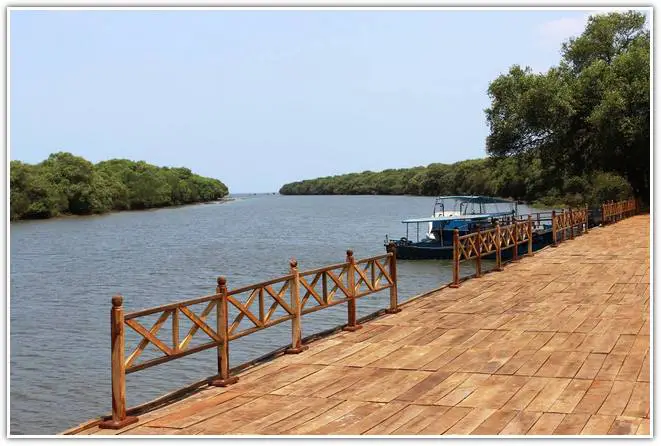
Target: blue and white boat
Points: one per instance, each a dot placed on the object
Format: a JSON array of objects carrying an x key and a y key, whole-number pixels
[{"x": 466, "y": 213}]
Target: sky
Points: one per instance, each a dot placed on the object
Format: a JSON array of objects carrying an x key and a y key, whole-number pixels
[{"x": 260, "y": 98}]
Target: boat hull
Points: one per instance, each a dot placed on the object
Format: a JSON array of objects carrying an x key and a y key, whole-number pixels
[{"x": 434, "y": 251}]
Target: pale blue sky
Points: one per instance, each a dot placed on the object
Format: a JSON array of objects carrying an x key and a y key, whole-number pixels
[{"x": 261, "y": 98}]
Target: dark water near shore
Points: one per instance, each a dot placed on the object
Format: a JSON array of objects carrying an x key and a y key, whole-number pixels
[{"x": 64, "y": 272}]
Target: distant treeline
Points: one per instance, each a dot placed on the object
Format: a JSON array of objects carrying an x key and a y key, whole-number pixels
[
  {"x": 513, "y": 177},
  {"x": 577, "y": 133},
  {"x": 67, "y": 184}
]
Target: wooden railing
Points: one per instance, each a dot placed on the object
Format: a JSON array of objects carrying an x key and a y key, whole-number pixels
[
  {"x": 615, "y": 211},
  {"x": 569, "y": 223},
  {"x": 293, "y": 295},
  {"x": 564, "y": 225},
  {"x": 478, "y": 244}
]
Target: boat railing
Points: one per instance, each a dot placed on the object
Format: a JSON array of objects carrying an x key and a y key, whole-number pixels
[
  {"x": 231, "y": 314},
  {"x": 615, "y": 211}
]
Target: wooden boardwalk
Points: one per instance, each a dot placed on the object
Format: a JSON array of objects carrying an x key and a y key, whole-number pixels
[{"x": 556, "y": 344}]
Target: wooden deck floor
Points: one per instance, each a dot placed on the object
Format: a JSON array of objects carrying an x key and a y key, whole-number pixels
[{"x": 556, "y": 344}]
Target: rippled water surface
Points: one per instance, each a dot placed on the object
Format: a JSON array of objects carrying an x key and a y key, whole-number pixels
[{"x": 64, "y": 272}]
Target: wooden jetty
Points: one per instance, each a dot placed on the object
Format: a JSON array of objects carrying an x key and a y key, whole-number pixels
[{"x": 558, "y": 343}]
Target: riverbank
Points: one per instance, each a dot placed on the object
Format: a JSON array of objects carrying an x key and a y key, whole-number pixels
[
  {"x": 65, "y": 184},
  {"x": 174, "y": 206}
]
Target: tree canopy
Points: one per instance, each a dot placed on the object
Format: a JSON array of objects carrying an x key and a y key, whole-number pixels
[
  {"x": 513, "y": 177},
  {"x": 68, "y": 184},
  {"x": 589, "y": 114},
  {"x": 577, "y": 134}
]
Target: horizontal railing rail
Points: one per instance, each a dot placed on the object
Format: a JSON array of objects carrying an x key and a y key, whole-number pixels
[
  {"x": 564, "y": 225},
  {"x": 259, "y": 306},
  {"x": 476, "y": 245},
  {"x": 569, "y": 223}
]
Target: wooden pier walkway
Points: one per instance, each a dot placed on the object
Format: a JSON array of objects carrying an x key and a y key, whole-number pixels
[{"x": 558, "y": 343}]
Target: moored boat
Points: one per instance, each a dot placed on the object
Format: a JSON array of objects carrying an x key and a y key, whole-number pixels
[{"x": 467, "y": 214}]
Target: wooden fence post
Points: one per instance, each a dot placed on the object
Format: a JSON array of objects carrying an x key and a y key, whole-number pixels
[
  {"x": 351, "y": 281},
  {"x": 554, "y": 227},
  {"x": 478, "y": 260},
  {"x": 499, "y": 262},
  {"x": 296, "y": 345},
  {"x": 586, "y": 223},
  {"x": 392, "y": 249},
  {"x": 530, "y": 253},
  {"x": 515, "y": 233},
  {"x": 118, "y": 375},
  {"x": 455, "y": 259},
  {"x": 224, "y": 379}
]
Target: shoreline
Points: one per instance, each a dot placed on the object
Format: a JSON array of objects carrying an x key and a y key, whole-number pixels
[{"x": 74, "y": 216}]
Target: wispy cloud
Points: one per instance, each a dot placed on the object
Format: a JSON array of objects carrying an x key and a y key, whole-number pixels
[{"x": 554, "y": 32}]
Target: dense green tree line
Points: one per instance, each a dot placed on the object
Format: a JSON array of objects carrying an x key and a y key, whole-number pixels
[
  {"x": 513, "y": 177},
  {"x": 576, "y": 134},
  {"x": 67, "y": 184}
]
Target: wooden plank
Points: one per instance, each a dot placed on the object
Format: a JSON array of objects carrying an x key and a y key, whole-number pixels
[
  {"x": 420, "y": 420},
  {"x": 357, "y": 377},
  {"x": 394, "y": 383},
  {"x": 594, "y": 397},
  {"x": 644, "y": 374},
  {"x": 598, "y": 425},
  {"x": 445, "y": 358},
  {"x": 639, "y": 402},
  {"x": 464, "y": 389},
  {"x": 617, "y": 398},
  {"x": 373, "y": 419},
  {"x": 346, "y": 419},
  {"x": 611, "y": 367},
  {"x": 204, "y": 410},
  {"x": 630, "y": 367},
  {"x": 591, "y": 366},
  {"x": 521, "y": 423},
  {"x": 367, "y": 355},
  {"x": 277, "y": 379},
  {"x": 624, "y": 426},
  {"x": 291, "y": 406},
  {"x": 644, "y": 427},
  {"x": 571, "y": 396},
  {"x": 526, "y": 394},
  {"x": 424, "y": 386},
  {"x": 572, "y": 424},
  {"x": 536, "y": 361},
  {"x": 441, "y": 424},
  {"x": 546, "y": 424},
  {"x": 495, "y": 422},
  {"x": 439, "y": 391},
  {"x": 308, "y": 413},
  {"x": 495, "y": 392},
  {"x": 399, "y": 419},
  {"x": 548, "y": 395},
  {"x": 470, "y": 422}
]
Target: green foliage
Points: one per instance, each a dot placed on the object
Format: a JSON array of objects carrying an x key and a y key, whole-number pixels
[
  {"x": 68, "y": 184},
  {"x": 504, "y": 177},
  {"x": 589, "y": 114}
]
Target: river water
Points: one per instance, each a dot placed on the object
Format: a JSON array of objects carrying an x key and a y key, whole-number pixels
[{"x": 63, "y": 273}]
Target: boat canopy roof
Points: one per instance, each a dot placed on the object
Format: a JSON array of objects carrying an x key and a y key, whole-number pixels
[
  {"x": 451, "y": 218},
  {"x": 475, "y": 199}
]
